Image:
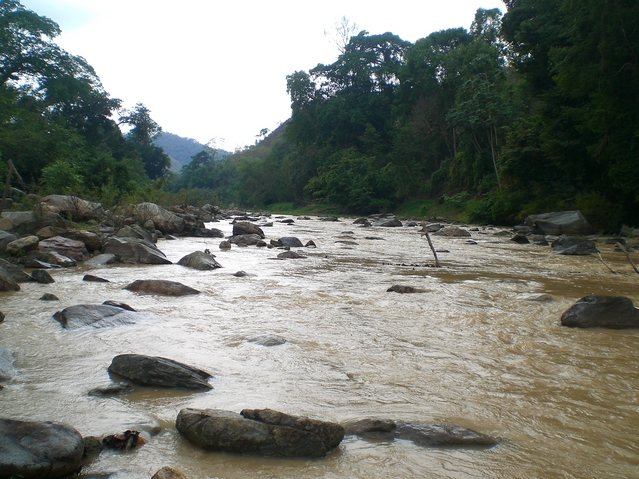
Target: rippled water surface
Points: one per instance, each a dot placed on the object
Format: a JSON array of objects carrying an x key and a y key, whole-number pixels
[{"x": 564, "y": 402}]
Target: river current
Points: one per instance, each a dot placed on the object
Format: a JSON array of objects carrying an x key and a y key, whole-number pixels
[{"x": 467, "y": 351}]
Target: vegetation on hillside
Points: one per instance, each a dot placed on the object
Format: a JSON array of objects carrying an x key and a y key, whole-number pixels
[{"x": 533, "y": 110}]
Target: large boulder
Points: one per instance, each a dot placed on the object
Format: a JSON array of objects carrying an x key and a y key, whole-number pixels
[
  {"x": 159, "y": 372},
  {"x": 20, "y": 222},
  {"x": 599, "y": 311},
  {"x": 135, "y": 231},
  {"x": 160, "y": 286},
  {"x": 164, "y": 220},
  {"x": 569, "y": 245},
  {"x": 24, "y": 244},
  {"x": 199, "y": 260},
  {"x": 420, "y": 434},
  {"x": 38, "y": 450},
  {"x": 76, "y": 208},
  {"x": 70, "y": 248},
  {"x": 134, "y": 250},
  {"x": 95, "y": 315},
  {"x": 561, "y": 222},
  {"x": 258, "y": 431},
  {"x": 92, "y": 241},
  {"x": 247, "y": 228}
]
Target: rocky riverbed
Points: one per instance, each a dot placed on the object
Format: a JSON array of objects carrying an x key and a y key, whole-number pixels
[{"x": 464, "y": 369}]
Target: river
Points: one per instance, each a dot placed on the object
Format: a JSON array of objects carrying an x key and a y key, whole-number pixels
[{"x": 466, "y": 351}]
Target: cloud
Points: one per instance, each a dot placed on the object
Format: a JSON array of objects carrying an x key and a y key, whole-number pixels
[{"x": 218, "y": 69}]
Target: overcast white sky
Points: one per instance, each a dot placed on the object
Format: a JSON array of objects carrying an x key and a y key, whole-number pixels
[{"x": 209, "y": 69}]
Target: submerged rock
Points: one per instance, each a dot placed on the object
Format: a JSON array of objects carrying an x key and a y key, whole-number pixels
[
  {"x": 161, "y": 286},
  {"x": 290, "y": 255},
  {"x": 420, "y": 434},
  {"x": 262, "y": 432},
  {"x": 95, "y": 279},
  {"x": 95, "y": 315},
  {"x": 111, "y": 390},
  {"x": 598, "y": 311},
  {"x": 38, "y": 449},
  {"x": 268, "y": 340},
  {"x": 157, "y": 371},
  {"x": 404, "y": 289}
]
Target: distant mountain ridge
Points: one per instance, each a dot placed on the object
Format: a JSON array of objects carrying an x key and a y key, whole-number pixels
[{"x": 181, "y": 149}]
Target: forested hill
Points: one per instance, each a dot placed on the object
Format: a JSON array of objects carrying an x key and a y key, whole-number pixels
[
  {"x": 531, "y": 110},
  {"x": 181, "y": 149}
]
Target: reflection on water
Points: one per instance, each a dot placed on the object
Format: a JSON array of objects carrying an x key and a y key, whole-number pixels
[{"x": 466, "y": 351}]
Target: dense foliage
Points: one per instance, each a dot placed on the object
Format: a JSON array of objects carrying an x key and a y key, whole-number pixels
[
  {"x": 533, "y": 110},
  {"x": 56, "y": 120}
]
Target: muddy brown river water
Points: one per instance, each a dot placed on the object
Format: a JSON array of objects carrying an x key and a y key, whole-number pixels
[{"x": 467, "y": 351}]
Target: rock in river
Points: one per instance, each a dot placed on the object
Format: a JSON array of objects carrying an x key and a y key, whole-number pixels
[
  {"x": 419, "y": 434},
  {"x": 161, "y": 286},
  {"x": 134, "y": 250},
  {"x": 6, "y": 281},
  {"x": 199, "y": 260},
  {"x": 38, "y": 450},
  {"x": 156, "y": 371},
  {"x": 262, "y": 432},
  {"x": 95, "y": 315},
  {"x": 598, "y": 311}
]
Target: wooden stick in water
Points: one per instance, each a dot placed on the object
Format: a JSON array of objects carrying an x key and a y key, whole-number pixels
[{"x": 623, "y": 248}]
